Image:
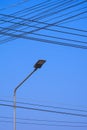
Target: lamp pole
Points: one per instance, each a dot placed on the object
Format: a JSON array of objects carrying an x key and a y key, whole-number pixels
[{"x": 38, "y": 64}]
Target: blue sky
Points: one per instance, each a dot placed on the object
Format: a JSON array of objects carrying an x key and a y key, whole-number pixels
[{"x": 61, "y": 82}]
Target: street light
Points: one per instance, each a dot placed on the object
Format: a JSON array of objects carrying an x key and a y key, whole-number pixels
[{"x": 38, "y": 65}]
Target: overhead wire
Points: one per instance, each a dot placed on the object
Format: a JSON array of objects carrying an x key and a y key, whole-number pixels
[
  {"x": 71, "y": 28},
  {"x": 45, "y": 23},
  {"x": 29, "y": 14},
  {"x": 46, "y": 110},
  {"x": 31, "y": 7},
  {"x": 61, "y": 10},
  {"x": 68, "y": 123},
  {"x": 58, "y": 31},
  {"x": 39, "y": 124},
  {"x": 46, "y": 106},
  {"x": 79, "y": 9},
  {"x": 47, "y": 36},
  {"x": 39, "y": 6},
  {"x": 34, "y": 8},
  {"x": 74, "y": 20},
  {"x": 23, "y": 99},
  {"x": 65, "y": 8},
  {"x": 50, "y": 12},
  {"x": 44, "y": 40},
  {"x": 40, "y": 9},
  {"x": 59, "y": 38},
  {"x": 44, "y": 120},
  {"x": 60, "y": 21},
  {"x": 42, "y": 12},
  {"x": 69, "y": 13},
  {"x": 72, "y": 16},
  {"x": 46, "y": 6},
  {"x": 45, "y": 11}
]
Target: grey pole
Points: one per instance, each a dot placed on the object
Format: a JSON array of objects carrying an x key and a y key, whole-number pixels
[
  {"x": 15, "y": 90},
  {"x": 36, "y": 66}
]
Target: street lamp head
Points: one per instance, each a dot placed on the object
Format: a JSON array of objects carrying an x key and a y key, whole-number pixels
[{"x": 39, "y": 64}]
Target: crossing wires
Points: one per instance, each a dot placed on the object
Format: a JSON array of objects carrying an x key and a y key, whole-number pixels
[{"x": 42, "y": 23}]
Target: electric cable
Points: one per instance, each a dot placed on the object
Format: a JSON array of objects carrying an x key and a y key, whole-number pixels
[
  {"x": 39, "y": 100},
  {"x": 73, "y": 20},
  {"x": 55, "y": 125},
  {"x": 61, "y": 10},
  {"x": 44, "y": 120},
  {"x": 47, "y": 36},
  {"x": 58, "y": 22},
  {"x": 14, "y": 26},
  {"x": 40, "y": 6},
  {"x": 44, "y": 40},
  {"x": 46, "y": 110},
  {"x": 46, "y": 11},
  {"x": 66, "y": 31},
  {"x": 47, "y": 106},
  {"x": 66, "y": 14},
  {"x": 44, "y": 23}
]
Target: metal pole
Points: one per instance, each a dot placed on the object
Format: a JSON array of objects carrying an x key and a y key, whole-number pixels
[
  {"x": 15, "y": 90},
  {"x": 14, "y": 111}
]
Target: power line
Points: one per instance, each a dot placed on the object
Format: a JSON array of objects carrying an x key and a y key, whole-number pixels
[
  {"x": 55, "y": 30},
  {"x": 46, "y": 11},
  {"x": 46, "y": 110},
  {"x": 28, "y": 25},
  {"x": 44, "y": 40},
  {"x": 44, "y": 120},
  {"x": 47, "y": 36},
  {"x": 62, "y": 4},
  {"x": 44, "y": 101},
  {"x": 58, "y": 11},
  {"x": 56, "y": 22},
  {"x": 66, "y": 14},
  {"x": 14, "y": 26},
  {"x": 49, "y": 8},
  {"x": 35, "y": 21},
  {"x": 37, "y": 14},
  {"x": 55, "y": 125},
  {"x": 46, "y": 106},
  {"x": 61, "y": 10},
  {"x": 49, "y": 12},
  {"x": 54, "y": 6},
  {"x": 34, "y": 8},
  {"x": 62, "y": 19},
  {"x": 70, "y": 28}
]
